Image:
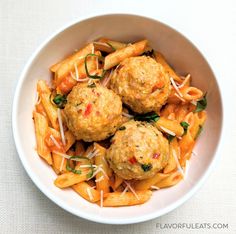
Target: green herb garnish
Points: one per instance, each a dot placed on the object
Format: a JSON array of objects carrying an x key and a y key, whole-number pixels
[
  {"x": 93, "y": 85},
  {"x": 147, "y": 117},
  {"x": 185, "y": 126},
  {"x": 170, "y": 137},
  {"x": 101, "y": 58},
  {"x": 146, "y": 167},
  {"x": 122, "y": 128},
  {"x": 60, "y": 101},
  {"x": 201, "y": 104},
  {"x": 198, "y": 132},
  {"x": 79, "y": 171},
  {"x": 113, "y": 48}
]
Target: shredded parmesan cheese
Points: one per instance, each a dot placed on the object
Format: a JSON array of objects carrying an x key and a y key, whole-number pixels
[
  {"x": 93, "y": 49},
  {"x": 124, "y": 191},
  {"x": 194, "y": 102},
  {"x": 132, "y": 190},
  {"x": 154, "y": 187},
  {"x": 100, "y": 179},
  {"x": 61, "y": 126},
  {"x": 66, "y": 156},
  {"x": 101, "y": 198},
  {"x": 92, "y": 154},
  {"x": 76, "y": 72},
  {"x": 89, "y": 194},
  {"x": 167, "y": 131},
  {"x": 77, "y": 79},
  {"x": 55, "y": 141},
  {"x": 185, "y": 81},
  {"x": 104, "y": 173},
  {"x": 179, "y": 97},
  {"x": 175, "y": 87},
  {"x": 62, "y": 163},
  {"x": 177, "y": 162},
  {"x": 127, "y": 115}
]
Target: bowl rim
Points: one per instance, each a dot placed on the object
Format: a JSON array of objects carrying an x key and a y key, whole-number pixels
[{"x": 79, "y": 213}]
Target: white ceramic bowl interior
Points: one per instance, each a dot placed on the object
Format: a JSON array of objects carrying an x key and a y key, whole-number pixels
[{"x": 180, "y": 53}]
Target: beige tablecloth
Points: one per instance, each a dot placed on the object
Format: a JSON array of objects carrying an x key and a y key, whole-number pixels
[{"x": 24, "y": 24}]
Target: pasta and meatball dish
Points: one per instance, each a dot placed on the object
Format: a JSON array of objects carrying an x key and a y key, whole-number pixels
[{"x": 117, "y": 122}]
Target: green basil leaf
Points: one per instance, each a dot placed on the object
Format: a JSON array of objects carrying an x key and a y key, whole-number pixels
[
  {"x": 152, "y": 116},
  {"x": 201, "y": 104},
  {"x": 60, "y": 101},
  {"x": 185, "y": 126}
]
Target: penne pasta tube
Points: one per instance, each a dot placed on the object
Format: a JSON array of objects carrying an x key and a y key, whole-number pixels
[
  {"x": 102, "y": 179},
  {"x": 51, "y": 110},
  {"x": 69, "y": 178},
  {"x": 68, "y": 64},
  {"x": 186, "y": 145},
  {"x": 171, "y": 164},
  {"x": 41, "y": 128},
  {"x": 172, "y": 179},
  {"x": 79, "y": 148},
  {"x": 87, "y": 192},
  {"x": 132, "y": 50},
  {"x": 114, "y": 45},
  {"x": 116, "y": 199},
  {"x": 191, "y": 93},
  {"x": 147, "y": 183},
  {"x": 66, "y": 83},
  {"x": 161, "y": 59},
  {"x": 164, "y": 124},
  {"x": 118, "y": 181},
  {"x": 167, "y": 110}
]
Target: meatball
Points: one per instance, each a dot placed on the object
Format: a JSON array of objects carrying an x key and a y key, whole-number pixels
[
  {"x": 138, "y": 151},
  {"x": 93, "y": 112},
  {"x": 142, "y": 84}
]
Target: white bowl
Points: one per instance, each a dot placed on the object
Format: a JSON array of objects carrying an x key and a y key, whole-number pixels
[{"x": 181, "y": 54}]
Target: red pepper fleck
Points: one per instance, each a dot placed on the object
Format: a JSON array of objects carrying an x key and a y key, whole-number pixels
[
  {"x": 97, "y": 112},
  {"x": 88, "y": 109},
  {"x": 156, "y": 155},
  {"x": 132, "y": 160},
  {"x": 158, "y": 85}
]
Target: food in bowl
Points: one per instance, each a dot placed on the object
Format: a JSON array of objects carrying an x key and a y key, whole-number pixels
[{"x": 117, "y": 122}]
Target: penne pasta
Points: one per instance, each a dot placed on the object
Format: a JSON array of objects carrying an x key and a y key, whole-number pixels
[
  {"x": 102, "y": 179},
  {"x": 68, "y": 64},
  {"x": 127, "y": 199},
  {"x": 87, "y": 192},
  {"x": 147, "y": 183},
  {"x": 172, "y": 179},
  {"x": 161, "y": 59},
  {"x": 45, "y": 95},
  {"x": 191, "y": 93},
  {"x": 119, "y": 55},
  {"x": 114, "y": 45},
  {"x": 41, "y": 128},
  {"x": 164, "y": 124}
]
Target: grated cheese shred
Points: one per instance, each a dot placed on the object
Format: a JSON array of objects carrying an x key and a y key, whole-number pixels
[
  {"x": 167, "y": 131},
  {"x": 175, "y": 87},
  {"x": 61, "y": 127},
  {"x": 132, "y": 190},
  {"x": 89, "y": 194},
  {"x": 177, "y": 162},
  {"x": 101, "y": 198}
]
